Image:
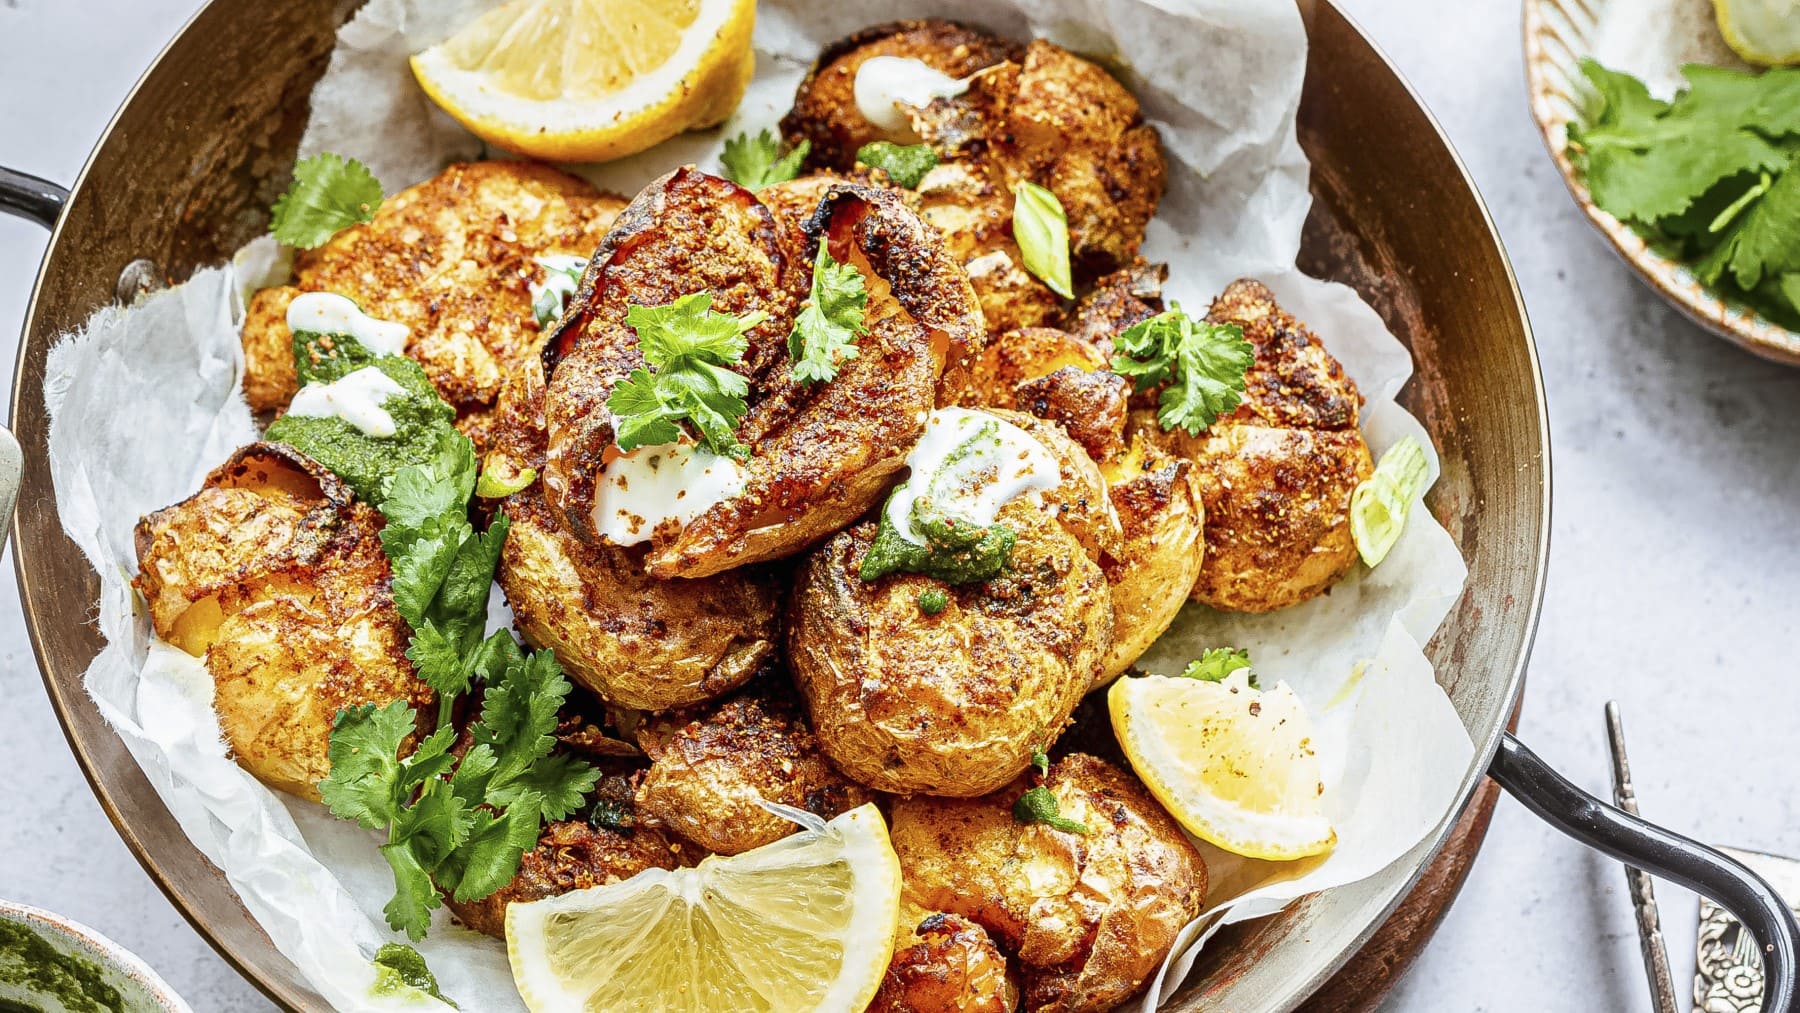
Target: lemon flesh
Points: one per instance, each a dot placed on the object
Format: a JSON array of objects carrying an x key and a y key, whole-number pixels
[
  {"x": 806, "y": 923},
  {"x": 1765, "y": 32},
  {"x": 589, "y": 80},
  {"x": 1232, "y": 764}
]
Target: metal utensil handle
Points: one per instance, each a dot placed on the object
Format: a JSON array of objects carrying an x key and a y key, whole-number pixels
[
  {"x": 1669, "y": 855},
  {"x": 41, "y": 201},
  {"x": 29, "y": 197}
]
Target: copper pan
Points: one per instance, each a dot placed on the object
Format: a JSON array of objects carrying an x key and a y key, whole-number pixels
[{"x": 186, "y": 171}]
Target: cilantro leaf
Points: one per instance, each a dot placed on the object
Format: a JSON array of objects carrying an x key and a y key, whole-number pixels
[
  {"x": 409, "y": 910},
  {"x": 421, "y": 558},
  {"x": 329, "y": 193},
  {"x": 1708, "y": 177},
  {"x": 1203, "y": 365},
  {"x": 906, "y": 165},
  {"x": 1765, "y": 240},
  {"x": 826, "y": 329},
  {"x": 489, "y": 858},
  {"x": 1038, "y": 805},
  {"x": 756, "y": 162},
  {"x": 1217, "y": 663},
  {"x": 690, "y": 348},
  {"x": 1041, "y": 228},
  {"x": 365, "y": 769}
]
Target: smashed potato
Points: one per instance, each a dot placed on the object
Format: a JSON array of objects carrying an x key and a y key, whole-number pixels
[
  {"x": 1160, "y": 507},
  {"x": 1276, "y": 474},
  {"x": 1032, "y": 113},
  {"x": 821, "y": 453},
  {"x": 1152, "y": 492},
  {"x": 707, "y": 771},
  {"x": 452, "y": 258},
  {"x": 633, "y": 639},
  {"x": 952, "y": 703},
  {"x": 944, "y": 963},
  {"x": 274, "y": 575},
  {"x": 1089, "y": 916}
]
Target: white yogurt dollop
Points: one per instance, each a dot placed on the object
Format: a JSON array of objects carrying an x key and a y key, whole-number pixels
[
  {"x": 357, "y": 398},
  {"x": 562, "y": 274},
  {"x": 968, "y": 473},
  {"x": 329, "y": 313},
  {"x": 886, "y": 83},
  {"x": 645, "y": 487}
]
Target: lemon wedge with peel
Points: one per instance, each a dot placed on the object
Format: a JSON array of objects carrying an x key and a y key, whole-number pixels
[
  {"x": 1232, "y": 764},
  {"x": 590, "y": 80},
  {"x": 806, "y": 923},
  {"x": 1766, "y": 32}
]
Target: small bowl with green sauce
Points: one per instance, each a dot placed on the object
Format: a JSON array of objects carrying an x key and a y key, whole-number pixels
[{"x": 49, "y": 964}]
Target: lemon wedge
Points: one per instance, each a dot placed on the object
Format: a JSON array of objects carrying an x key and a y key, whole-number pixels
[
  {"x": 806, "y": 923},
  {"x": 1232, "y": 764},
  {"x": 590, "y": 80},
  {"x": 1761, "y": 31}
]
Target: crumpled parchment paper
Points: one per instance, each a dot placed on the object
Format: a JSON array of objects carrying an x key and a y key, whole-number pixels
[{"x": 145, "y": 400}]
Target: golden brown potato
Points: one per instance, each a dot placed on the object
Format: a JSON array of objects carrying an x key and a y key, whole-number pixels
[
  {"x": 452, "y": 258},
  {"x": 1076, "y": 131},
  {"x": 570, "y": 855},
  {"x": 1158, "y": 502},
  {"x": 1153, "y": 492},
  {"x": 1026, "y": 354},
  {"x": 1130, "y": 295},
  {"x": 950, "y": 704},
  {"x": 1034, "y": 113},
  {"x": 635, "y": 640},
  {"x": 1078, "y": 501},
  {"x": 944, "y": 963},
  {"x": 1090, "y": 917},
  {"x": 821, "y": 454},
  {"x": 1276, "y": 475},
  {"x": 825, "y": 112},
  {"x": 274, "y": 575},
  {"x": 973, "y": 210},
  {"x": 708, "y": 770}
]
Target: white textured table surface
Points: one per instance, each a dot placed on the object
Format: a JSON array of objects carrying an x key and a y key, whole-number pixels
[{"x": 1673, "y": 580}]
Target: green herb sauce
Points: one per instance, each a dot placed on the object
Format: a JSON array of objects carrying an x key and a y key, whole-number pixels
[
  {"x": 364, "y": 462},
  {"x": 28, "y": 961},
  {"x": 955, "y": 551},
  {"x": 399, "y": 969}
]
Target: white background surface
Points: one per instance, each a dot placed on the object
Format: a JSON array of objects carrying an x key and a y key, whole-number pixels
[{"x": 1674, "y": 576}]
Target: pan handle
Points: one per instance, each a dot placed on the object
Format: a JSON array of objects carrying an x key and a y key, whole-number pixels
[
  {"x": 1666, "y": 854},
  {"x": 29, "y": 197},
  {"x": 41, "y": 201}
]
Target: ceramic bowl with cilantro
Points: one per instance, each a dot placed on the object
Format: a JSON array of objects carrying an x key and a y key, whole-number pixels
[{"x": 1693, "y": 176}]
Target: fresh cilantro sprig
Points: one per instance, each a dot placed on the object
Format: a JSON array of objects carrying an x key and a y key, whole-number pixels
[
  {"x": 443, "y": 569},
  {"x": 1711, "y": 177},
  {"x": 1217, "y": 663},
  {"x": 905, "y": 164},
  {"x": 826, "y": 329},
  {"x": 756, "y": 162},
  {"x": 689, "y": 350},
  {"x": 1203, "y": 365},
  {"x": 329, "y": 193},
  {"x": 459, "y": 826}
]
